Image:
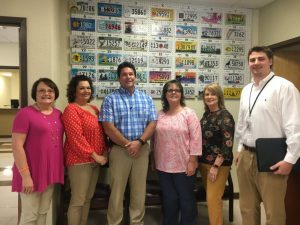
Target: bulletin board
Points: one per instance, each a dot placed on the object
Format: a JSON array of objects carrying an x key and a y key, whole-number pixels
[{"x": 192, "y": 43}]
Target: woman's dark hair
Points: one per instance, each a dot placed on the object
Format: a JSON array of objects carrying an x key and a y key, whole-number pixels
[
  {"x": 71, "y": 89},
  {"x": 46, "y": 81},
  {"x": 126, "y": 64},
  {"x": 164, "y": 101}
]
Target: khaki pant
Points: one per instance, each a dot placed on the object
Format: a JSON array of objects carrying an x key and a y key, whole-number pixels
[
  {"x": 83, "y": 180},
  {"x": 123, "y": 167},
  {"x": 256, "y": 187},
  {"x": 214, "y": 192},
  {"x": 35, "y": 207}
]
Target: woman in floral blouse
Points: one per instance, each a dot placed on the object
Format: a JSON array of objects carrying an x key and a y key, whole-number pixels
[{"x": 217, "y": 126}]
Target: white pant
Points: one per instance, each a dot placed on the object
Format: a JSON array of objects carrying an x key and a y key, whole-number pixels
[{"x": 35, "y": 207}]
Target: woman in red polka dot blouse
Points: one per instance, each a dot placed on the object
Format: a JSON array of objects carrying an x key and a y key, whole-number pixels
[{"x": 85, "y": 147}]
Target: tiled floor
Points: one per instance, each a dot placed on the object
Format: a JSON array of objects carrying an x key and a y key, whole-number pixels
[{"x": 153, "y": 216}]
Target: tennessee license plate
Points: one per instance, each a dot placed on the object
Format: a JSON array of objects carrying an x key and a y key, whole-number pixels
[
  {"x": 108, "y": 9},
  {"x": 138, "y": 61},
  {"x": 211, "y": 33},
  {"x": 186, "y": 46},
  {"x": 234, "y": 49},
  {"x": 235, "y": 34},
  {"x": 165, "y": 30},
  {"x": 184, "y": 31},
  {"x": 81, "y": 24},
  {"x": 135, "y": 44},
  {"x": 82, "y": 7},
  {"x": 110, "y": 43},
  {"x": 82, "y": 41},
  {"x": 109, "y": 26},
  {"x": 160, "y": 45},
  {"x": 109, "y": 59},
  {"x": 162, "y": 14},
  {"x": 235, "y": 19},
  {"x": 233, "y": 78},
  {"x": 91, "y": 73},
  {"x": 207, "y": 78},
  {"x": 159, "y": 76},
  {"x": 186, "y": 62},
  {"x": 234, "y": 64},
  {"x": 135, "y": 28},
  {"x": 211, "y": 17},
  {"x": 186, "y": 77},
  {"x": 209, "y": 63},
  {"x": 83, "y": 58},
  {"x": 107, "y": 75},
  {"x": 187, "y": 16},
  {"x": 160, "y": 61},
  {"x": 136, "y": 12},
  {"x": 211, "y": 48}
]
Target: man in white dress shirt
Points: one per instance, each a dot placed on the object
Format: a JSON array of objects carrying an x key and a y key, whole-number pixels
[{"x": 269, "y": 108}]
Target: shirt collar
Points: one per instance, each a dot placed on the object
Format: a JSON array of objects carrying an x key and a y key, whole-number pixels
[
  {"x": 125, "y": 91},
  {"x": 263, "y": 81}
]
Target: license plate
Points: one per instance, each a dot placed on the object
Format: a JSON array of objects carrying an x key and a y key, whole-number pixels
[
  {"x": 109, "y": 59},
  {"x": 160, "y": 61},
  {"x": 233, "y": 93},
  {"x": 211, "y": 33},
  {"x": 166, "y": 30},
  {"x": 189, "y": 92},
  {"x": 159, "y": 76},
  {"x": 107, "y": 75},
  {"x": 82, "y": 7},
  {"x": 209, "y": 63},
  {"x": 83, "y": 58},
  {"x": 108, "y": 9},
  {"x": 156, "y": 91},
  {"x": 81, "y": 24},
  {"x": 136, "y": 28},
  {"x": 211, "y": 48},
  {"x": 235, "y": 19},
  {"x": 141, "y": 76},
  {"x": 102, "y": 91},
  {"x": 109, "y": 26},
  {"x": 82, "y": 41},
  {"x": 138, "y": 61},
  {"x": 211, "y": 17},
  {"x": 136, "y": 12},
  {"x": 160, "y": 45},
  {"x": 162, "y": 14},
  {"x": 207, "y": 78},
  {"x": 234, "y": 64},
  {"x": 233, "y": 78},
  {"x": 232, "y": 49},
  {"x": 186, "y": 77},
  {"x": 234, "y": 34},
  {"x": 186, "y": 62},
  {"x": 110, "y": 43},
  {"x": 91, "y": 73},
  {"x": 135, "y": 44},
  {"x": 186, "y": 46},
  {"x": 187, "y": 16},
  {"x": 184, "y": 31}
]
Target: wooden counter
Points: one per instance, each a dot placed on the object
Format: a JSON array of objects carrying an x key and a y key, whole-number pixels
[{"x": 7, "y": 116}]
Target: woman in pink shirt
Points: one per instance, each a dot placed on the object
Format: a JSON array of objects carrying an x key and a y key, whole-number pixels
[
  {"x": 37, "y": 144},
  {"x": 85, "y": 147},
  {"x": 177, "y": 144}
]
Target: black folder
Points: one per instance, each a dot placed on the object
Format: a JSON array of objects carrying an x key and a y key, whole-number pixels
[{"x": 269, "y": 152}]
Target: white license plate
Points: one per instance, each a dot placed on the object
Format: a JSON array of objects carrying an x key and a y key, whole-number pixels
[
  {"x": 160, "y": 45},
  {"x": 110, "y": 43},
  {"x": 107, "y": 75},
  {"x": 184, "y": 31},
  {"x": 83, "y": 58},
  {"x": 136, "y": 12},
  {"x": 207, "y": 78},
  {"x": 109, "y": 59},
  {"x": 135, "y": 45},
  {"x": 187, "y": 16},
  {"x": 162, "y": 14},
  {"x": 138, "y": 61},
  {"x": 233, "y": 78},
  {"x": 234, "y": 64},
  {"x": 209, "y": 63},
  {"x": 232, "y": 49},
  {"x": 82, "y": 42},
  {"x": 211, "y": 33},
  {"x": 135, "y": 28},
  {"x": 211, "y": 48},
  {"x": 165, "y": 30},
  {"x": 235, "y": 34},
  {"x": 160, "y": 61},
  {"x": 109, "y": 26}
]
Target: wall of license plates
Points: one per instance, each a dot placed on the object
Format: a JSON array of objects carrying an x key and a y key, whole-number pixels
[{"x": 195, "y": 44}]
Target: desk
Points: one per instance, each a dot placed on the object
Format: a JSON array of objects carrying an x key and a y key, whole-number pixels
[{"x": 7, "y": 116}]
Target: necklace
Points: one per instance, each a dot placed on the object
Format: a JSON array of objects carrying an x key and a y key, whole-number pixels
[{"x": 44, "y": 111}]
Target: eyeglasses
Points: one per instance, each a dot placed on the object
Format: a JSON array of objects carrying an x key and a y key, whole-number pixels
[
  {"x": 44, "y": 91},
  {"x": 173, "y": 90}
]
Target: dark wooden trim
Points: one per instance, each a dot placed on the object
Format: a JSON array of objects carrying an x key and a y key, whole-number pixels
[
  {"x": 22, "y": 24},
  {"x": 285, "y": 44},
  {"x": 9, "y": 67}
]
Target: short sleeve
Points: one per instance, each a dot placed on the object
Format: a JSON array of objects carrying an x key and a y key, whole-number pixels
[
  {"x": 106, "y": 112},
  {"x": 21, "y": 122}
]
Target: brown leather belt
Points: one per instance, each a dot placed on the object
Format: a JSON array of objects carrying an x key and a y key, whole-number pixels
[{"x": 250, "y": 149}]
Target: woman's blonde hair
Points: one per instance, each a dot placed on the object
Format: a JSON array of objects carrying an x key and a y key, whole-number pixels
[{"x": 216, "y": 90}]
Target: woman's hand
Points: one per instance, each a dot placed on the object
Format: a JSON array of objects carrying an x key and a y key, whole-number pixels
[
  {"x": 101, "y": 159},
  {"x": 213, "y": 172},
  {"x": 27, "y": 184}
]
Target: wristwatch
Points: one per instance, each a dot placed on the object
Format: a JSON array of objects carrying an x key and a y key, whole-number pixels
[{"x": 141, "y": 141}]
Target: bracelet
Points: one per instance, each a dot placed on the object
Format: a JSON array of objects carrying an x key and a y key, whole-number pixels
[
  {"x": 23, "y": 169},
  {"x": 141, "y": 141}
]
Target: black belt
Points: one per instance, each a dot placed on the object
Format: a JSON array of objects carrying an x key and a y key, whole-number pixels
[{"x": 250, "y": 149}]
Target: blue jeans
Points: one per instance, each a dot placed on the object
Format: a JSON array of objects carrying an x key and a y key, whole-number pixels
[{"x": 179, "y": 203}]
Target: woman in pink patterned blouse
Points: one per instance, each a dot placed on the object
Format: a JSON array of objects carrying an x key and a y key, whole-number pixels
[
  {"x": 37, "y": 144},
  {"x": 85, "y": 147},
  {"x": 177, "y": 144}
]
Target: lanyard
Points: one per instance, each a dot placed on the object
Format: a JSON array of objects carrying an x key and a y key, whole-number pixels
[{"x": 251, "y": 109}]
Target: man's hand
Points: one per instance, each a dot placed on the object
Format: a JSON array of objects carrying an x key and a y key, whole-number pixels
[
  {"x": 282, "y": 168},
  {"x": 133, "y": 148},
  {"x": 237, "y": 158}
]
